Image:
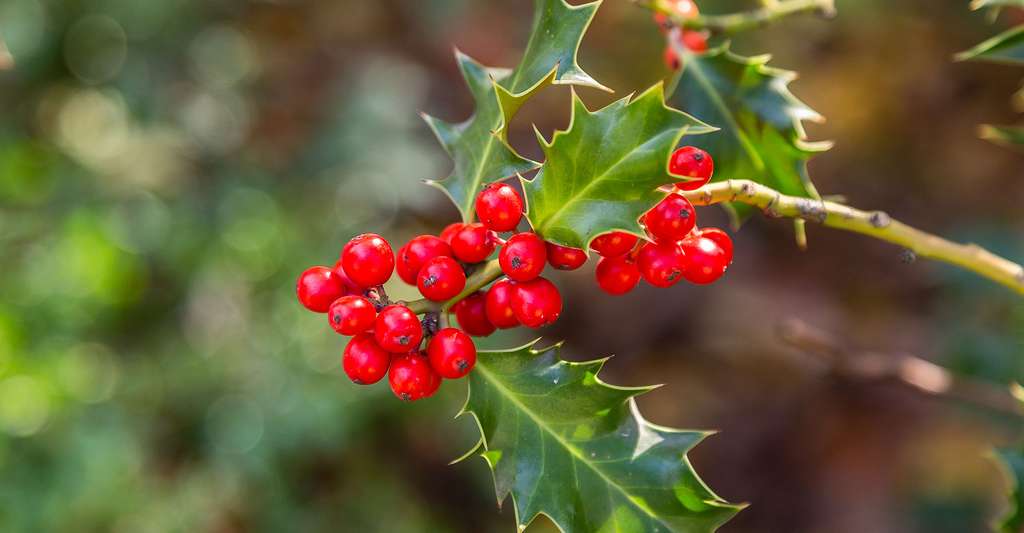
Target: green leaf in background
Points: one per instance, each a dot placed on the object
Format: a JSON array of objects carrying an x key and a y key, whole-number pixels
[
  {"x": 980, "y": 4},
  {"x": 479, "y": 146},
  {"x": 565, "y": 444},
  {"x": 603, "y": 172},
  {"x": 1013, "y": 461},
  {"x": 1007, "y": 47},
  {"x": 761, "y": 135},
  {"x": 1008, "y": 135}
]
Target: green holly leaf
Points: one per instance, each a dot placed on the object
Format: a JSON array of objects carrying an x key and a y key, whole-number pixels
[
  {"x": 1013, "y": 463},
  {"x": 479, "y": 145},
  {"x": 761, "y": 135},
  {"x": 1007, "y": 135},
  {"x": 603, "y": 172},
  {"x": 1007, "y": 47},
  {"x": 565, "y": 444}
]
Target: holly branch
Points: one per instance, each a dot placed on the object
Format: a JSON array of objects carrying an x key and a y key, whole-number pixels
[
  {"x": 875, "y": 224},
  {"x": 743, "y": 21}
]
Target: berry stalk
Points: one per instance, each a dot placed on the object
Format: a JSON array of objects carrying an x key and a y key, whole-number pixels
[
  {"x": 875, "y": 224},
  {"x": 740, "y": 22}
]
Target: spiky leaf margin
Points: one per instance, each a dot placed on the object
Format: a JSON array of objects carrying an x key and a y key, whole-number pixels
[
  {"x": 567, "y": 445},
  {"x": 761, "y": 135},
  {"x": 602, "y": 172},
  {"x": 479, "y": 145}
]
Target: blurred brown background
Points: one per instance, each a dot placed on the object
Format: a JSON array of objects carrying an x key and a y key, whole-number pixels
[{"x": 168, "y": 168}]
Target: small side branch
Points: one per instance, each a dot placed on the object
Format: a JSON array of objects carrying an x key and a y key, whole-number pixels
[
  {"x": 910, "y": 371},
  {"x": 739, "y": 22},
  {"x": 875, "y": 224},
  {"x": 6, "y": 61}
]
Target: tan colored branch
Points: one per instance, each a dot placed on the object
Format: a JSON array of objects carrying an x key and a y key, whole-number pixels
[
  {"x": 6, "y": 61},
  {"x": 739, "y": 22},
  {"x": 875, "y": 224}
]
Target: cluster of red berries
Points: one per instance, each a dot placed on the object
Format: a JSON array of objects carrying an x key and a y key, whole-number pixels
[
  {"x": 388, "y": 338},
  {"x": 696, "y": 41}
]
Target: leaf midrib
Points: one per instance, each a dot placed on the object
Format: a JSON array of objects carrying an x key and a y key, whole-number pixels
[
  {"x": 513, "y": 398},
  {"x": 716, "y": 99}
]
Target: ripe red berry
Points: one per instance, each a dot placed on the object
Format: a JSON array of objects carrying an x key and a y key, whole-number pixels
[
  {"x": 473, "y": 243},
  {"x": 536, "y": 303},
  {"x": 670, "y": 58},
  {"x": 691, "y": 162},
  {"x": 498, "y": 305},
  {"x": 661, "y": 265},
  {"x": 471, "y": 313},
  {"x": 614, "y": 243},
  {"x": 523, "y": 256},
  {"x": 565, "y": 257},
  {"x": 720, "y": 237},
  {"x": 368, "y": 260},
  {"x": 450, "y": 230},
  {"x": 351, "y": 314},
  {"x": 416, "y": 253},
  {"x": 617, "y": 275},
  {"x": 499, "y": 207},
  {"x": 350, "y": 286},
  {"x": 452, "y": 353},
  {"x": 671, "y": 219},
  {"x": 317, "y": 287},
  {"x": 365, "y": 362},
  {"x": 696, "y": 41},
  {"x": 397, "y": 329},
  {"x": 705, "y": 262},
  {"x": 441, "y": 278},
  {"x": 684, "y": 8},
  {"x": 411, "y": 377}
]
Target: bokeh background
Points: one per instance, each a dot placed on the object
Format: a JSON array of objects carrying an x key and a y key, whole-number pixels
[{"x": 167, "y": 168}]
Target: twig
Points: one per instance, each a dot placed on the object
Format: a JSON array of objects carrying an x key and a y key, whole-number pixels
[
  {"x": 913, "y": 372},
  {"x": 876, "y": 224},
  {"x": 6, "y": 61},
  {"x": 739, "y": 22}
]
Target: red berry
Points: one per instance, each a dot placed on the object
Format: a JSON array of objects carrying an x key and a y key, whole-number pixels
[
  {"x": 473, "y": 243},
  {"x": 614, "y": 243},
  {"x": 523, "y": 256},
  {"x": 565, "y": 257},
  {"x": 499, "y": 207},
  {"x": 365, "y": 362},
  {"x": 416, "y": 253},
  {"x": 617, "y": 275},
  {"x": 350, "y": 286},
  {"x": 672, "y": 219},
  {"x": 471, "y": 313},
  {"x": 368, "y": 260},
  {"x": 536, "y": 303},
  {"x": 691, "y": 162},
  {"x": 684, "y": 8},
  {"x": 661, "y": 264},
  {"x": 706, "y": 261},
  {"x": 441, "y": 279},
  {"x": 499, "y": 304},
  {"x": 411, "y": 377},
  {"x": 720, "y": 237},
  {"x": 450, "y": 230},
  {"x": 317, "y": 287},
  {"x": 696, "y": 41},
  {"x": 670, "y": 58},
  {"x": 397, "y": 329},
  {"x": 351, "y": 314},
  {"x": 452, "y": 353}
]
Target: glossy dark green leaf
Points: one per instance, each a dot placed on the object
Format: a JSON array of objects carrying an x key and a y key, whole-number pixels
[
  {"x": 603, "y": 172},
  {"x": 761, "y": 136},
  {"x": 479, "y": 145},
  {"x": 565, "y": 444},
  {"x": 1013, "y": 461},
  {"x": 1007, "y": 47}
]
